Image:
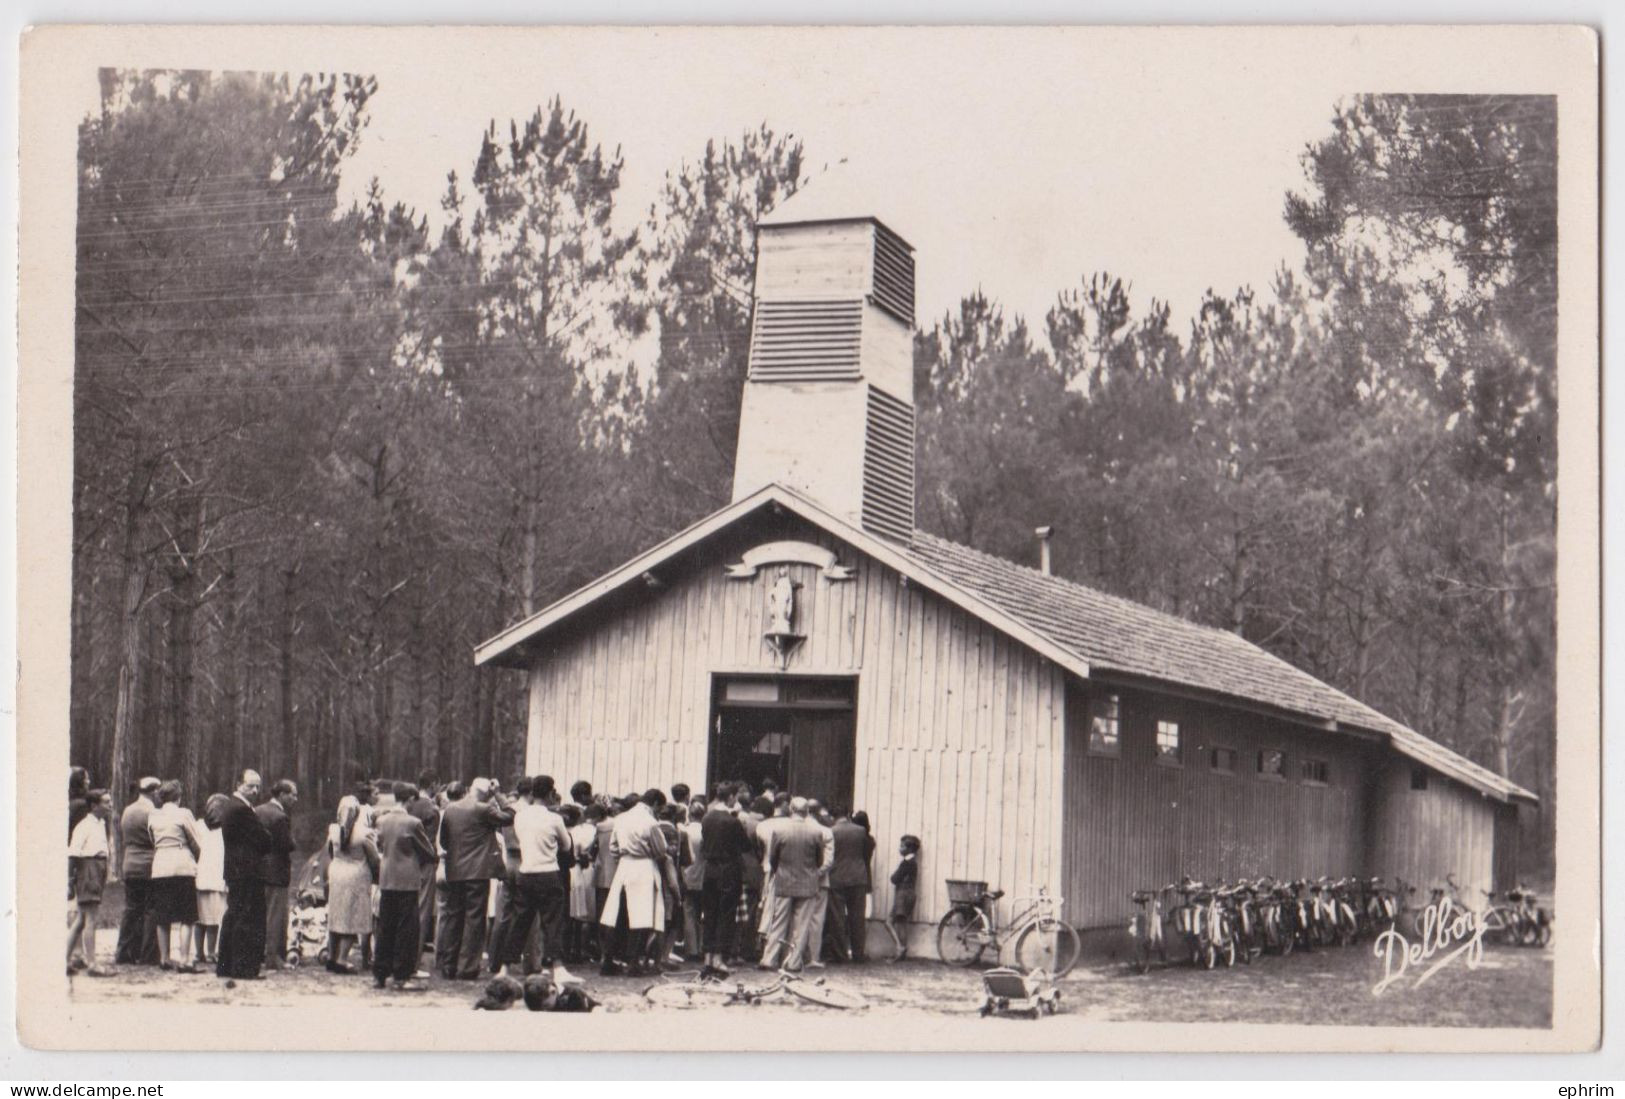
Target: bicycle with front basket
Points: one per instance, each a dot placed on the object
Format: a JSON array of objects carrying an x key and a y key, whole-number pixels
[{"x": 970, "y": 928}]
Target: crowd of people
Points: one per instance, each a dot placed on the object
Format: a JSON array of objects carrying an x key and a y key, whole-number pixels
[
  {"x": 514, "y": 882},
  {"x": 209, "y": 892}
]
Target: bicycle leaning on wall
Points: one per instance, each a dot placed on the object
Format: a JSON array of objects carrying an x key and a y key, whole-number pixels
[{"x": 970, "y": 927}]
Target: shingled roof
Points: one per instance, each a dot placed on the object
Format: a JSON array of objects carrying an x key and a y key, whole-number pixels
[
  {"x": 1083, "y": 630},
  {"x": 1119, "y": 635}
]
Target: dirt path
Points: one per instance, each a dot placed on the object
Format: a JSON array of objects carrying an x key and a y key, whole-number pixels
[{"x": 1512, "y": 987}]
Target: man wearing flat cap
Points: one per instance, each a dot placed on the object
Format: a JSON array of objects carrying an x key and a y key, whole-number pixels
[{"x": 137, "y": 934}]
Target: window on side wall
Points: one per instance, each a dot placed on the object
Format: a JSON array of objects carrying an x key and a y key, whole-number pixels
[
  {"x": 1272, "y": 765},
  {"x": 1104, "y": 729},
  {"x": 1168, "y": 747},
  {"x": 1222, "y": 760},
  {"x": 1315, "y": 772},
  {"x": 1419, "y": 778}
]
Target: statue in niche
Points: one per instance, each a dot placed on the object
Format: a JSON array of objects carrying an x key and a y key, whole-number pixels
[{"x": 781, "y": 604}]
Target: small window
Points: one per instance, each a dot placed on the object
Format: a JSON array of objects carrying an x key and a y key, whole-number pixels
[
  {"x": 1272, "y": 765},
  {"x": 1103, "y": 726},
  {"x": 1223, "y": 760},
  {"x": 1419, "y": 778},
  {"x": 1315, "y": 772},
  {"x": 1168, "y": 743}
]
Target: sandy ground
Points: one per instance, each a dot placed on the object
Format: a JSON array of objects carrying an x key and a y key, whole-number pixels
[{"x": 1511, "y": 987}]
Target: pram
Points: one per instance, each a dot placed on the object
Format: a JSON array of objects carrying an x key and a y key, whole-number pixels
[
  {"x": 307, "y": 932},
  {"x": 1010, "y": 990},
  {"x": 307, "y": 917}
]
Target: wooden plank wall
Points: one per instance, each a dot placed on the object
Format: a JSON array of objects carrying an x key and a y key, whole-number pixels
[
  {"x": 1133, "y": 823},
  {"x": 1422, "y": 835},
  {"x": 959, "y": 729}
]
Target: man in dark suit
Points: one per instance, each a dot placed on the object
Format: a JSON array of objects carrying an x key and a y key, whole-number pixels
[
  {"x": 242, "y": 929},
  {"x": 278, "y": 869},
  {"x": 403, "y": 853},
  {"x": 137, "y": 935},
  {"x": 849, "y": 885},
  {"x": 469, "y": 834},
  {"x": 724, "y": 847},
  {"x": 799, "y": 858}
]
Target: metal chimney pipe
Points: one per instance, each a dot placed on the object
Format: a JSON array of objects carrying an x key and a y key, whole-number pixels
[{"x": 1044, "y": 534}]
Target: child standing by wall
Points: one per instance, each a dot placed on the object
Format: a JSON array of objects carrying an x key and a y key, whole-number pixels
[{"x": 905, "y": 887}]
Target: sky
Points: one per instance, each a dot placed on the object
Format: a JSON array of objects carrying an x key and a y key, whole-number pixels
[
  {"x": 1017, "y": 162},
  {"x": 1013, "y": 163}
]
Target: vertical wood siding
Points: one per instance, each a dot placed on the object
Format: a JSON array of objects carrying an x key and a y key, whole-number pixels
[
  {"x": 1422, "y": 835},
  {"x": 1134, "y": 823},
  {"x": 959, "y": 729}
]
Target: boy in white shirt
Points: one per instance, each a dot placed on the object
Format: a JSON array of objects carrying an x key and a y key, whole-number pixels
[{"x": 87, "y": 857}]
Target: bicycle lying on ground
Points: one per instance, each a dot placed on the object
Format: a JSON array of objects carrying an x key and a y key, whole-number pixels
[
  {"x": 969, "y": 928},
  {"x": 709, "y": 991}
]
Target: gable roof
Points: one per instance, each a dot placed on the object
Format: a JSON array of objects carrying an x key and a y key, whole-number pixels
[
  {"x": 506, "y": 647},
  {"x": 1082, "y": 630}
]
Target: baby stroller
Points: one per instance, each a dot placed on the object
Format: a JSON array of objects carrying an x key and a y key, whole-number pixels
[
  {"x": 307, "y": 918},
  {"x": 1011, "y": 990},
  {"x": 307, "y": 931}
]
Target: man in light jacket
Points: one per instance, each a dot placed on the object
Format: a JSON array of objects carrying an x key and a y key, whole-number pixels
[
  {"x": 799, "y": 858},
  {"x": 404, "y": 852}
]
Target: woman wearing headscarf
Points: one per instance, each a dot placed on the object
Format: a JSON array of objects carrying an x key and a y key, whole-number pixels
[{"x": 349, "y": 883}]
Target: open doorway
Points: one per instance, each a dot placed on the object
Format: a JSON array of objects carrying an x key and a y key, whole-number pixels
[{"x": 799, "y": 732}]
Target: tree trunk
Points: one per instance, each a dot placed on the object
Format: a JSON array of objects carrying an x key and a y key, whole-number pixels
[
  {"x": 180, "y": 686},
  {"x": 129, "y": 672},
  {"x": 285, "y": 636},
  {"x": 183, "y": 610},
  {"x": 230, "y": 651},
  {"x": 528, "y": 575},
  {"x": 1505, "y": 719}
]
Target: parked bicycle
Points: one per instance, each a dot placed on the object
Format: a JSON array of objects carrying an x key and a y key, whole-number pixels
[
  {"x": 970, "y": 928},
  {"x": 1146, "y": 928},
  {"x": 1277, "y": 916},
  {"x": 1241, "y": 905},
  {"x": 1520, "y": 921},
  {"x": 1215, "y": 934},
  {"x": 1536, "y": 922}
]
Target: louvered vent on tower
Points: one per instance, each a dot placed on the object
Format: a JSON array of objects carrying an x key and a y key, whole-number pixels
[
  {"x": 806, "y": 341},
  {"x": 888, "y": 467},
  {"x": 894, "y": 275}
]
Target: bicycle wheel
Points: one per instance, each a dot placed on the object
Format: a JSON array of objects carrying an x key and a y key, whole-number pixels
[
  {"x": 828, "y": 995},
  {"x": 1209, "y": 955},
  {"x": 1048, "y": 944},
  {"x": 962, "y": 936},
  {"x": 688, "y": 994}
]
